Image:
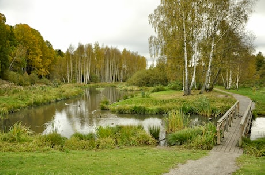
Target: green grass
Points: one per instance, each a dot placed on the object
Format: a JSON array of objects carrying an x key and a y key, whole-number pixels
[
  {"x": 140, "y": 160},
  {"x": 255, "y": 94},
  {"x": 250, "y": 165},
  {"x": 208, "y": 104},
  {"x": 14, "y": 98}
]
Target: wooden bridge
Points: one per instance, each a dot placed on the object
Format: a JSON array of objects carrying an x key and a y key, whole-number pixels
[{"x": 234, "y": 125}]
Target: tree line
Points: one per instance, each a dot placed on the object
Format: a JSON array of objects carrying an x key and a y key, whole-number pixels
[
  {"x": 24, "y": 52},
  {"x": 202, "y": 42}
]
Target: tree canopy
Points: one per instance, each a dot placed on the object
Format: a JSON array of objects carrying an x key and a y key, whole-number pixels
[{"x": 193, "y": 34}]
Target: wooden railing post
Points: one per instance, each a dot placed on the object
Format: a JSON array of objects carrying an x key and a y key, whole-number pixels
[{"x": 226, "y": 121}]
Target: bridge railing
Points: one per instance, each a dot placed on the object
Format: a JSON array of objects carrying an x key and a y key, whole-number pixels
[
  {"x": 245, "y": 124},
  {"x": 225, "y": 122}
]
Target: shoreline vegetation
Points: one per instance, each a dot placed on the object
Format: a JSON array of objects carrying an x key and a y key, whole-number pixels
[
  {"x": 155, "y": 101},
  {"x": 129, "y": 141}
]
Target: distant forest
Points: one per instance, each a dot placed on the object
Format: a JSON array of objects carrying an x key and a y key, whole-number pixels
[
  {"x": 25, "y": 55},
  {"x": 196, "y": 45}
]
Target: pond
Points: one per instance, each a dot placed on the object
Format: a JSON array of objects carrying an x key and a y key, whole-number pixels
[
  {"x": 83, "y": 115},
  {"x": 258, "y": 128}
]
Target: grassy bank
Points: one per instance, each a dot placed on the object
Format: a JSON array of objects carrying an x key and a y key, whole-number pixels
[
  {"x": 140, "y": 160},
  {"x": 111, "y": 150},
  {"x": 250, "y": 165},
  {"x": 255, "y": 94},
  {"x": 208, "y": 104},
  {"x": 13, "y": 98}
]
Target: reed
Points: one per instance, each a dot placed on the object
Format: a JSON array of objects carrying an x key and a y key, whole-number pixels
[
  {"x": 176, "y": 121},
  {"x": 154, "y": 131}
]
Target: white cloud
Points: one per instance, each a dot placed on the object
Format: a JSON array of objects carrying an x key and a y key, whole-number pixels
[{"x": 117, "y": 23}]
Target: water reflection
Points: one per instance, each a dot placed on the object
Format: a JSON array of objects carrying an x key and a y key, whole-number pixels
[
  {"x": 258, "y": 128},
  {"x": 79, "y": 115},
  {"x": 83, "y": 115}
]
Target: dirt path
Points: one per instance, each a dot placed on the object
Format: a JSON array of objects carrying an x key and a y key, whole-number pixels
[{"x": 218, "y": 162}]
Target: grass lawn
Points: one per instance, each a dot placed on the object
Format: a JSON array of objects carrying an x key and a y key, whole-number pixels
[
  {"x": 133, "y": 160},
  {"x": 211, "y": 103},
  {"x": 251, "y": 165},
  {"x": 255, "y": 94}
]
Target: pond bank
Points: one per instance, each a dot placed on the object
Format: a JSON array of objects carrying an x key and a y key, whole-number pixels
[{"x": 13, "y": 98}]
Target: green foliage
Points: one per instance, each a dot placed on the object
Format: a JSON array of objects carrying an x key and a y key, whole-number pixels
[
  {"x": 104, "y": 104},
  {"x": 158, "y": 88},
  {"x": 53, "y": 140},
  {"x": 17, "y": 133},
  {"x": 177, "y": 86},
  {"x": 183, "y": 136},
  {"x": 254, "y": 147},
  {"x": 199, "y": 137},
  {"x": 176, "y": 121},
  {"x": 14, "y": 98},
  {"x": 154, "y": 131},
  {"x": 148, "y": 78},
  {"x": 203, "y": 106},
  {"x": 164, "y": 101},
  {"x": 125, "y": 135}
]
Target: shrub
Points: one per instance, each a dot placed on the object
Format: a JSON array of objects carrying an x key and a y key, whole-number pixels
[
  {"x": 178, "y": 86},
  {"x": 158, "y": 88}
]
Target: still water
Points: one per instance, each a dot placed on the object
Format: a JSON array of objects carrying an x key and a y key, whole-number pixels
[
  {"x": 258, "y": 128},
  {"x": 83, "y": 115}
]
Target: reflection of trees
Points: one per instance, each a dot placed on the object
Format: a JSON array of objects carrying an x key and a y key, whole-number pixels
[
  {"x": 33, "y": 117},
  {"x": 112, "y": 94},
  {"x": 82, "y": 113}
]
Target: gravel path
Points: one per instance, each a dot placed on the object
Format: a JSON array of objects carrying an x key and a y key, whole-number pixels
[{"x": 217, "y": 162}]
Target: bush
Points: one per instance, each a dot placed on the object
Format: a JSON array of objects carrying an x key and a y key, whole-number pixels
[
  {"x": 158, "y": 88},
  {"x": 178, "y": 86}
]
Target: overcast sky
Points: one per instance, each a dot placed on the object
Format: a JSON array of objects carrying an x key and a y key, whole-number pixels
[{"x": 116, "y": 23}]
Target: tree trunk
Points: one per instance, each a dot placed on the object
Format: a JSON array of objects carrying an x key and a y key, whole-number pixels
[
  {"x": 206, "y": 84},
  {"x": 186, "y": 86}
]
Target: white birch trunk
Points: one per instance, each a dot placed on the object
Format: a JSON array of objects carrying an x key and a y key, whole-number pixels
[
  {"x": 208, "y": 73},
  {"x": 186, "y": 86}
]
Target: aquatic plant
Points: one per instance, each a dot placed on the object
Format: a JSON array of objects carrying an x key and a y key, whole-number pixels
[
  {"x": 17, "y": 133},
  {"x": 176, "y": 121},
  {"x": 154, "y": 131}
]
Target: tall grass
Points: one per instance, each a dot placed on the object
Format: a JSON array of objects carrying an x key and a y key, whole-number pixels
[
  {"x": 209, "y": 104},
  {"x": 176, "y": 121},
  {"x": 14, "y": 98},
  {"x": 18, "y": 138},
  {"x": 154, "y": 131},
  {"x": 199, "y": 137},
  {"x": 255, "y": 147},
  {"x": 17, "y": 133}
]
